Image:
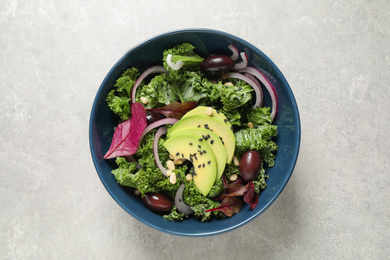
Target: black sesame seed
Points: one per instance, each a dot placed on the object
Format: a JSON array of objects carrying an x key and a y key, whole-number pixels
[
  {"x": 222, "y": 142},
  {"x": 204, "y": 151},
  {"x": 231, "y": 128},
  {"x": 225, "y": 120},
  {"x": 208, "y": 162},
  {"x": 190, "y": 143},
  {"x": 212, "y": 141},
  {"x": 177, "y": 154},
  {"x": 201, "y": 139},
  {"x": 199, "y": 165},
  {"x": 198, "y": 125},
  {"x": 220, "y": 138},
  {"x": 218, "y": 111},
  {"x": 194, "y": 174},
  {"x": 199, "y": 146},
  {"x": 203, "y": 165},
  {"x": 182, "y": 155}
]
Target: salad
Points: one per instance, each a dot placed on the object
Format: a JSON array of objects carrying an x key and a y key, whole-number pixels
[{"x": 194, "y": 138}]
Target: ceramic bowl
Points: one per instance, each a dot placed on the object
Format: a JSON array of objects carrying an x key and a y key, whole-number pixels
[{"x": 206, "y": 41}]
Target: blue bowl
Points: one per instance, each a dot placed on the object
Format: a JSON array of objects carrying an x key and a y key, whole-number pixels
[{"x": 206, "y": 41}]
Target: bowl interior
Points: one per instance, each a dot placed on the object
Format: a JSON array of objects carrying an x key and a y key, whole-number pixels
[{"x": 102, "y": 123}]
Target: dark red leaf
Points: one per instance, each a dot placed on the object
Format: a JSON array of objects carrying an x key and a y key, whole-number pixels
[
  {"x": 225, "y": 183},
  {"x": 175, "y": 109},
  {"x": 236, "y": 190},
  {"x": 229, "y": 206},
  {"x": 250, "y": 196},
  {"x": 128, "y": 133}
]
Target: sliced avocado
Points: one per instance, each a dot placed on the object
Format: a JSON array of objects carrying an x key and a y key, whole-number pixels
[
  {"x": 186, "y": 145},
  {"x": 201, "y": 110},
  {"x": 215, "y": 144},
  {"x": 216, "y": 125}
]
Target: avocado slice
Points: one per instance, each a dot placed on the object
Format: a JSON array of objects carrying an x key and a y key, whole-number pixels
[
  {"x": 186, "y": 145},
  {"x": 201, "y": 110},
  {"x": 214, "y": 124},
  {"x": 215, "y": 144}
]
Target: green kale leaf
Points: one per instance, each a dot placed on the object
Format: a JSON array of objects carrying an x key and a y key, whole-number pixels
[
  {"x": 185, "y": 53},
  {"x": 118, "y": 98}
]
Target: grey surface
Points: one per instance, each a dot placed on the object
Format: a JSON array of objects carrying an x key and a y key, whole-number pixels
[{"x": 55, "y": 54}]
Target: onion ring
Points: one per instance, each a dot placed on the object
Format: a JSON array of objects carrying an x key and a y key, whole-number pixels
[
  {"x": 256, "y": 88},
  {"x": 151, "y": 70}
]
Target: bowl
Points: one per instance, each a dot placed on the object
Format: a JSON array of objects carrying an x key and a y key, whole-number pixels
[{"x": 206, "y": 41}]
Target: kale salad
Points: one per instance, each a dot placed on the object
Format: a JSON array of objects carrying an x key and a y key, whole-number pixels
[{"x": 193, "y": 137}]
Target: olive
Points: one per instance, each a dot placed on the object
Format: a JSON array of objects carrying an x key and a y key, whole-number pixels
[
  {"x": 153, "y": 116},
  {"x": 157, "y": 202},
  {"x": 216, "y": 64},
  {"x": 250, "y": 164}
]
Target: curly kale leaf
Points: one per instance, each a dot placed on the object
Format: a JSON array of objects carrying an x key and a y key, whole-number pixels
[
  {"x": 118, "y": 98},
  {"x": 183, "y": 52}
]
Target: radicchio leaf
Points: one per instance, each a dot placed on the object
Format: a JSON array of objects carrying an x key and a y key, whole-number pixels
[
  {"x": 175, "y": 109},
  {"x": 128, "y": 133},
  {"x": 229, "y": 206}
]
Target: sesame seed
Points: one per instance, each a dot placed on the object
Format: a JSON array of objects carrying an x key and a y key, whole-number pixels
[
  {"x": 190, "y": 143},
  {"x": 199, "y": 165},
  {"x": 198, "y": 125},
  {"x": 208, "y": 162},
  {"x": 199, "y": 146},
  {"x": 225, "y": 120},
  {"x": 203, "y": 165},
  {"x": 212, "y": 141},
  {"x": 182, "y": 155},
  {"x": 218, "y": 111},
  {"x": 201, "y": 139},
  {"x": 177, "y": 154}
]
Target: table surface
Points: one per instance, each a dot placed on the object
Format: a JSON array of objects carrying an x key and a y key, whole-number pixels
[{"x": 54, "y": 56}]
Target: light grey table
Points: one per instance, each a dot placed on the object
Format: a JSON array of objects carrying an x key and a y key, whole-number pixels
[{"x": 55, "y": 54}]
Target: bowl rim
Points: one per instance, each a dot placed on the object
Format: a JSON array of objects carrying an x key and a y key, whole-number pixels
[{"x": 278, "y": 191}]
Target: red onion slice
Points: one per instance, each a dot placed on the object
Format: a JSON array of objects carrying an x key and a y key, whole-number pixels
[
  {"x": 256, "y": 88},
  {"x": 161, "y": 131},
  {"x": 179, "y": 203},
  {"x": 172, "y": 65},
  {"x": 165, "y": 121},
  {"x": 235, "y": 52},
  {"x": 268, "y": 85},
  {"x": 243, "y": 63},
  {"x": 151, "y": 70},
  {"x": 258, "y": 84}
]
